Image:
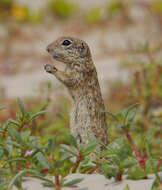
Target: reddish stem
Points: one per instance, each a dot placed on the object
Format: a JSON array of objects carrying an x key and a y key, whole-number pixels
[
  {"x": 119, "y": 178},
  {"x": 21, "y": 126},
  {"x": 92, "y": 170},
  {"x": 57, "y": 182},
  {"x": 79, "y": 159},
  {"x": 140, "y": 159}
]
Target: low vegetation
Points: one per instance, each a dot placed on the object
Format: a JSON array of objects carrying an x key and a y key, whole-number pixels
[
  {"x": 134, "y": 133},
  {"x": 34, "y": 132},
  {"x": 11, "y": 10}
]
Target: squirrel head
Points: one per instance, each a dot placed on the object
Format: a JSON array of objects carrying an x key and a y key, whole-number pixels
[{"x": 69, "y": 50}]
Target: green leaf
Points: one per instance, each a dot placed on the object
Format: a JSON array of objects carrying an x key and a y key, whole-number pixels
[
  {"x": 129, "y": 109},
  {"x": 109, "y": 170},
  {"x": 115, "y": 159},
  {"x": 1, "y": 152},
  {"x": 136, "y": 173},
  {"x": 126, "y": 187},
  {"x": 2, "y": 108},
  {"x": 85, "y": 161},
  {"x": 90, "y": 147},
  {"x": 42, "y": 160},
  {"x": 127, "y": 164},
  {"x": 36, "y": 151},
  {"x": 157, "y": 141},
  {"x": 4, "y": 183},
  {"x": 17, "y": 160},
  {"x": 28, "y": 116},
  {"x": 44, "y": 179},
  {"x": 68, "y": 149},
  {"x": 21, "y": 106},
  {"x": 62, "y": 8},
  {"x": 113, "y": 148},
  {"x": 110, "y": 113},
  {"x": 13, "y": 122},
  {"x": 21, "y": 173},
  {"x": 73, "y": 182},
  {"x": 14, "y": 133},
  {"x": 73, "y": 141},
  {"x": 37, "y": 114},
  {"x": 93, "y": 15},
  {"x": 10, "y": 142},
  {"x": 25, "y": 135},
  {"x": 131, "y": 117},
  {"x": 150, "y": 133},
  {"x": 52, "y": 144}
]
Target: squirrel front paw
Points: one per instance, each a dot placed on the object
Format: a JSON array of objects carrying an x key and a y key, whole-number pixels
[{"x": 49, "y": 68}]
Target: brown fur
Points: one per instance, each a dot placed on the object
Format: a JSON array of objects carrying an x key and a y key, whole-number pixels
[{"x": 80, "y": 77}]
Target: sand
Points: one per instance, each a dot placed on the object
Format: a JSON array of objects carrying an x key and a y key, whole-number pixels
[{"x": 94, "y": 182}]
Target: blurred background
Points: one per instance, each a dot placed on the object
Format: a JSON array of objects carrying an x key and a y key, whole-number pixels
[{"x": 125, "y": 37}]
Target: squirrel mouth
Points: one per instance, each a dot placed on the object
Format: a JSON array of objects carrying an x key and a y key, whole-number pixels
[{"x": 55, "y": 56}]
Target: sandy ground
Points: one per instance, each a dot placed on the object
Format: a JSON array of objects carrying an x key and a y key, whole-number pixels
[
  {"x": 103, "y": 42},
  {"x": 94, "y": 182},
  {"x": 32, "y": 72},
  {"x": 25, "y": 82}
]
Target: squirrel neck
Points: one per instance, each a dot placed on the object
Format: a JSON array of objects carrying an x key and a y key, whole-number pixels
[{"x": 83, "y": 65}]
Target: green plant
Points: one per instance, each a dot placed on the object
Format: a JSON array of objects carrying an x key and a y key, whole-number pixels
[
  {"x": 15, "y": 141},
  {"x": 116, "y": 159},
  {"x": 51, "y": 161},
  {"x": 23, "y": 154},
  {"x": 80, "y": 153},
  {"x": 115, "y": 8},
  {"x": 147, "y": 162},
  {"x": 146, "y": 82},
  {"x": 119, "y": 9},
  {"x": 5, "y": 3},
  {"x": 156, "y": 6},
  {"x": 62, "y": 8},
  {"x": 93, "y": 15}
]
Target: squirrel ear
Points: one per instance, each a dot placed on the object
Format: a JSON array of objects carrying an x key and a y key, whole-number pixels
[{"x": 83, "y": 50}]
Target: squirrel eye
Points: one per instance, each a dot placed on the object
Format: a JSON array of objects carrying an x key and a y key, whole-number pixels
[{"x": 66, "y": 43}]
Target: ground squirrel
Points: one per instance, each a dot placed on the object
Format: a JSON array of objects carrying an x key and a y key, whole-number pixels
[{"x": 87, "y": 119}]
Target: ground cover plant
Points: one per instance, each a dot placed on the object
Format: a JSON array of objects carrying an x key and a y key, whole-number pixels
[
  {"x": 34, "y": 132},
  {"x": 11, "y": 10},
  {"x": 36, "y": 142},
  {"x": 23, "y": 154}
]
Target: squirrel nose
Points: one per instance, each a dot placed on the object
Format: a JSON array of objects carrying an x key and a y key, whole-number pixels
[{"x": 48, "y": 49}]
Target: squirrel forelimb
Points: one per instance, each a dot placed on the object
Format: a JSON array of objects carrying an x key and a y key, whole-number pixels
[{"x": 65, "y": 78}]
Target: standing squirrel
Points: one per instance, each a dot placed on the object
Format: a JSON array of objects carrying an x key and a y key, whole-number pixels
[{"x": 87, "y": 119}]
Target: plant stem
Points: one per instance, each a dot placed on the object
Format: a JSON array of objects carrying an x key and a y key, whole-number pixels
[
  {"x": 79, "y": 159},
  {"x": 21, "y": 126},
  {"x": 155, "y": 170},
  {"x": 137, "y": 152},
  {"x": 119, "y": 178},
  {"x": 92, "y": 170},
  {"x": 57, "y": 182}
]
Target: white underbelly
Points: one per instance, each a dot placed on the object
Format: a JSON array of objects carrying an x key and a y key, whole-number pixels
[{"x": 80, "y": 123}]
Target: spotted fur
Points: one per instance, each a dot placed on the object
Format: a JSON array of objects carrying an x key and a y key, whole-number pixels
[{"x": 87, "y": 119}]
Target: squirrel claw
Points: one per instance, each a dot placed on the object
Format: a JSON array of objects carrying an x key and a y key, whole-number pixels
[{"x": 49, "y": 68}]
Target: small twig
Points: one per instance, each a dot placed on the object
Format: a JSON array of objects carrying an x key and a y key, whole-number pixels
[
  {"x": 79, "y": 159},
  {"x": 57, "y": 182},
  {"x": 138, "y": 155},
  {"x": 119, "y": 178},
  {"x": 21, "y": 126},
  {"x": 92, "y": 170}
]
